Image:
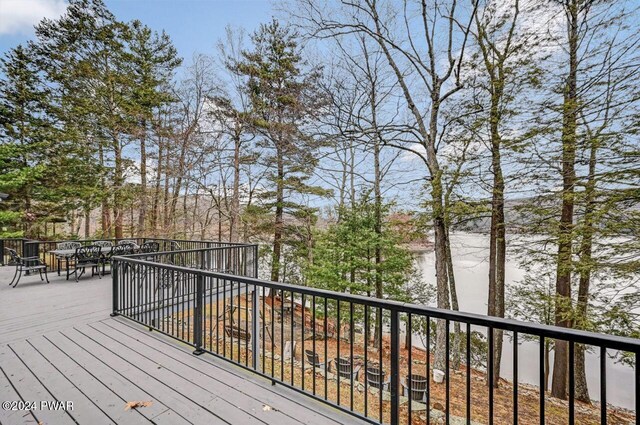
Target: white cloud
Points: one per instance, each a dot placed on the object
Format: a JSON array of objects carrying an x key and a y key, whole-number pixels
[{"x": 19, "y": 16}]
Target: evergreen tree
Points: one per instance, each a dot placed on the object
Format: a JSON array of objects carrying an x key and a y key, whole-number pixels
[
  {"x": 154, "y": 60},
  {"x": 27, "y": 150},
  {"x": 284, "y": 99}
]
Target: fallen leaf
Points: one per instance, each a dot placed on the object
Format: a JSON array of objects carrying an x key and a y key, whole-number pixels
[
  {"x": 136, "y": 404},
  {"x": 268, "y": 408}
]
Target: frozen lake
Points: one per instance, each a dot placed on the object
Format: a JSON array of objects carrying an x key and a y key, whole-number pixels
[{"x": 470, "y": 258}]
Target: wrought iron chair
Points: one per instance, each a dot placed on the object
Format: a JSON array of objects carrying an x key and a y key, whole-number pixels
[
  {"x": 26, "y": 264},
  {"x": 127, "y": 242},
  {"x": 65, "y": 246},
  {"x": 103, "y": 244},
  {"x": 149, "y": 247},
  {"x": 117, "y": 250},
  {"x": 87, "y": 256}
]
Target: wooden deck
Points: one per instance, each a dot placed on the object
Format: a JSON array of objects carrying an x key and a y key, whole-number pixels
[{"x": 58, "y": 344}]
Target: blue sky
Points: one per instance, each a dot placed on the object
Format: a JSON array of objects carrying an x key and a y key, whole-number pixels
[{"x": 194, "y": 25}]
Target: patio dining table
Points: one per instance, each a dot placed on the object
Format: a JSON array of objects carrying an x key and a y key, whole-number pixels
[{"x": 67, "y": 254}]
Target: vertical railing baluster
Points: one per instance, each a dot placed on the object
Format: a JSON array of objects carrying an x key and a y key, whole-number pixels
[
  {"x": 197, "y": 320},
  {"x": 428, "y": 356},
  {"x": 255, "y": 328},
  {"x": 366, "y": 360},
  {"x": 395, "y": 366},
  {"x": 515, "y": 378},
  {"x": 115, "y": 283},
  {"x": 468, "y": 360},
  {"x": 572, "y": 383},
  {"x": 447, "y": 372},
  {"x": 490, "y": 372},
  {"x": 326, "y": 356},
  {"x": 410, "y": 371},
  {"x": 542, "y": 379},
  {"x": 351, "y": 336},
  {"x": 313, "y": 336},
  {"x": 603, "y": 385}
]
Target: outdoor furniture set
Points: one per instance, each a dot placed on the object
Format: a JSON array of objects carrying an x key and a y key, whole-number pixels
[{"x": 77, "y": 258}]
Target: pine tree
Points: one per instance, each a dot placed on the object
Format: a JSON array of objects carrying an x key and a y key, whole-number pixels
[
  {"x": 27, "y": 171},
  {"x": 284, "y": 97},
  {"x": 154, "y": 60}
]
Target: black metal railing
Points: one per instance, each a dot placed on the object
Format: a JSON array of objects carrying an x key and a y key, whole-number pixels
[
  {"x": 43, "y": 248},
  {"x": 14, "y": 243},
  {"x": 346, "y": 349}
]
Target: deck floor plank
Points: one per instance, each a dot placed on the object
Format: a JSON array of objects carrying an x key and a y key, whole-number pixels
[
  {"x": 7, "y": 393},
  {"x": 292, "y": 404},
  {"x": 93, "y": 382},
  {"x": 62, "y": 388},
  {"x": 145, "y": 384},
  {"x": 31, "y": 389},
  {"x": 164, "y": 372}
]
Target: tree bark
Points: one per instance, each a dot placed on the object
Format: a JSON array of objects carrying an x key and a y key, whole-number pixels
[
  {"x": 234, "y": 217},
  {"x": 279, "y": 222},
  {"x": 559, "y": 386},
  {"x": 143, "y": 180},
  {"x": 118, "y": 182}
]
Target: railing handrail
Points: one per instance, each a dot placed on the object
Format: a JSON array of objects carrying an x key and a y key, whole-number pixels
[
  {"x": 183, "y": 251},
  {"x": 549, "y": 331},
  {"x": 32, "y": 241}
]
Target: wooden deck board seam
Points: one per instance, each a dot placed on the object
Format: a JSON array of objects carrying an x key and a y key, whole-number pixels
[
  {"x": 266, "y": 385},
  {"x": 71, "y": 382},
  {"x": 151, "y": 376},
  {"x": 40, "y": 382},
  {"x": 92, "y": 375},
  {"x": 195, "y": 383}
]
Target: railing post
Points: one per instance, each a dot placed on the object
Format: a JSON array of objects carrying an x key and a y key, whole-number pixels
[
  {"x": 1, "y": 252},
  {"x": 197, "y": 319},
  {"x": 114, "y": 288},
  {"x": 255, "y": 261},
  {"x": 255, "y": 327},
  {"x": 395, "y": 366}
]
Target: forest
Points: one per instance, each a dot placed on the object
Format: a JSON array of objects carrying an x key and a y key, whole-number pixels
[{"x": 346, "y": 137}]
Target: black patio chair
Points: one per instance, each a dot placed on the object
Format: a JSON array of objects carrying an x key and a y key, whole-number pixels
[
  {"x": 107, "y": 257},
  {"x": 87, "y": 256},
  {"x": 345, "y": 368},
  {"x": 60, "y": 258},
  {"x": 314, "y": 360},
  {"x": 149, "y": 247},
  {"x": 26, "y": 264}
]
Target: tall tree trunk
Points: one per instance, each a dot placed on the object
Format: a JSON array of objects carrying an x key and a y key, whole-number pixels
[
  {"x": 104, "y": 204},
  {"x": 165, "y": 197},
  {"x": 87, "y": 222},
  {"x": 585, "y": 266},
  {"x": 156, "y": 194},
  {"x": 456, "y": 346},
  {"x": 561, "y": 359},
  {"x": 118, "y": 182},
  {"x": 178, "y": 185},
  {"x": 440, "y": 231},
  {"x": 497, "y": 241},
  {"x": 234, "y": 217},
  {"x": 279, "y": 219},
  {"x": 142, "y": 213}
]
